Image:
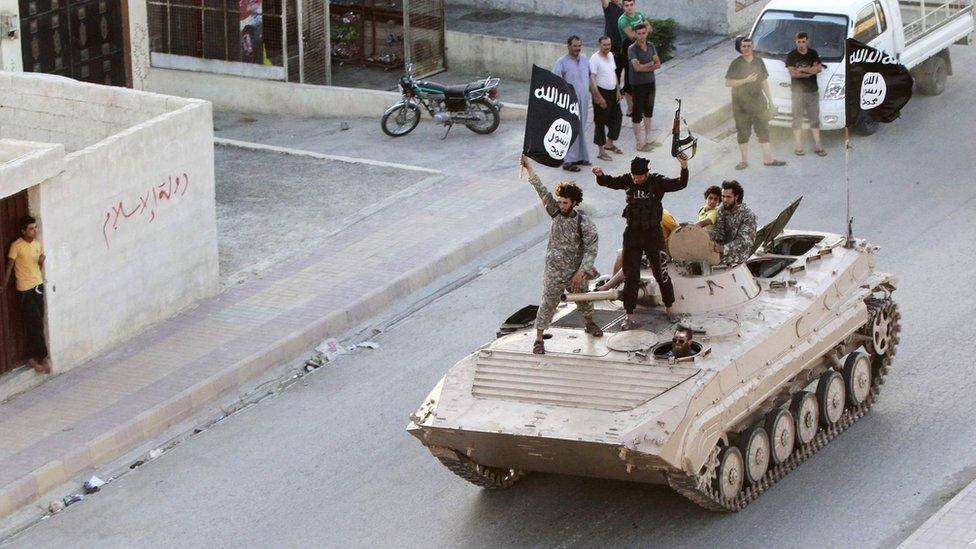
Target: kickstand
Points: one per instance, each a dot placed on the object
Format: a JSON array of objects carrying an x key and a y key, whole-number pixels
[{"x": 449, "y": 126}]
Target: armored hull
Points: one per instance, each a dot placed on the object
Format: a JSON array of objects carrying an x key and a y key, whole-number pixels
[{"x": 791, "y": 348}]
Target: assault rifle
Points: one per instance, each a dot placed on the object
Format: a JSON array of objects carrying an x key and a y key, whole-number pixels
[{"x": 681, "y": 144}]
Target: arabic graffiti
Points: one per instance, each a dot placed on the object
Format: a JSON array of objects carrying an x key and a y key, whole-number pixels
[
  {"x": 558, "y": 138},
  {"x": 873, "y": 90},
  {"x": 146, "y": 203}
]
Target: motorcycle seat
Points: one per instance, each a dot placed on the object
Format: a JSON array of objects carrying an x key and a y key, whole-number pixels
[{"x": 458, "y": 90}]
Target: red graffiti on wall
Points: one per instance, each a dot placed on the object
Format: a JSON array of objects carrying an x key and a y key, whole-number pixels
[{"x": 145, "y": 204}]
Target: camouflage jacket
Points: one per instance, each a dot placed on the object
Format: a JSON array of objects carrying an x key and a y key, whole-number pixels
[
  {"x": 736, "y": 231},
  {"x": 573, "y": 240}
]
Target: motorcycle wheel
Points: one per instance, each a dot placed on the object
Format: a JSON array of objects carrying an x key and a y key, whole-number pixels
[
  {"x": 492, "y": 118},
  {"x": 402, "y": 121}
]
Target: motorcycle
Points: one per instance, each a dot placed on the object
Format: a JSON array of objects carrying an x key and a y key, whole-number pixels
[{"x": 475, "y": 105}]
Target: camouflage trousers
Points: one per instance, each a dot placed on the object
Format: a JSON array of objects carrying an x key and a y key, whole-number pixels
[{"x": 554, "y": 283}]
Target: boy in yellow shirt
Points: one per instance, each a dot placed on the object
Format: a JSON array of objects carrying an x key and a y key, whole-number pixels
[
  {"x": 709, "y": 212},
  {"x": 26, "y": 263}
]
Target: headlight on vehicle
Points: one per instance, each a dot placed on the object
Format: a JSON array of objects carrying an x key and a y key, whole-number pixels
[{"x": 835, "y": 87}]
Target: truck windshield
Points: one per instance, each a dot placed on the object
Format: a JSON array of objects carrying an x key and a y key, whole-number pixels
[{"x": 776, "y": 30}]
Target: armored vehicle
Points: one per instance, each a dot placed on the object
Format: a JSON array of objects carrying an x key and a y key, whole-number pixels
[{"x": 791, "y": 348}]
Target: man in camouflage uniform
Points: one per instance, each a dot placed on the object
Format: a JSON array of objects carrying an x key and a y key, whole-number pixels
[
  {"x": 569, "y": 257},
  {"x": 735, "y": 227}
]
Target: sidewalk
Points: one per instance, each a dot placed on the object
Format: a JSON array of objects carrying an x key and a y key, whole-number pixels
[
  {"x": 952, "y": 526},
  {"x": 99, "y": 411}
]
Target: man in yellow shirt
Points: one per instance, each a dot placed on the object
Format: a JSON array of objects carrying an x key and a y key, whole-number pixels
[{"x": 26, "y": 263}]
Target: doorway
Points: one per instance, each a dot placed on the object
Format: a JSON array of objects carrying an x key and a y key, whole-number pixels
[{"x": 12, "y": 353}]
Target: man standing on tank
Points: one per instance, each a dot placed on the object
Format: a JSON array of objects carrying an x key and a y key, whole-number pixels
[
  {"x": 735, "y": 226},
  {"x": 642, "y": 236},
  {"x": 570, "y": 255}
]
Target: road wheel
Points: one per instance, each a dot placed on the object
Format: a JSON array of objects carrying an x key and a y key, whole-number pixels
[
  {"x": 401, "y": 121},
  {"x": 857, "y": 377},
  {"x": 806, "y": 416},
  {"x": 866, "y": 125},
  {"x": 932, "y": 78},
  {"x": 491, "y": 114},
  {"x": 781, "y": 429},
  {"x": 730, "y": 473},
  {"x": 754, "y": 445},
  {"x": 831, "y": 397}
]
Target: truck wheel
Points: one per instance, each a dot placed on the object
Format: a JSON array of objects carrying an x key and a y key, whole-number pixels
[
  {"x": 866, "y": 125},
  {"x": 932, "y": 79}
]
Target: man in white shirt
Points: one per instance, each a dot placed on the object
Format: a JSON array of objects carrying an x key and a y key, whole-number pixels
[{"x": 605, "y": 90}]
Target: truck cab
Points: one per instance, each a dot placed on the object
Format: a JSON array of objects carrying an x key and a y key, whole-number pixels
[{"x": 917, "y": 32}]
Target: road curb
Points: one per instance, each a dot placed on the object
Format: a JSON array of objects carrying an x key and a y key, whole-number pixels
[
  {"x": 942, "y": 531},
  {"x": 152, "y": 422}
]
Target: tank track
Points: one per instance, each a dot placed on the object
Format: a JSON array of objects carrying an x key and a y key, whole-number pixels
[
  {"x": 489, "y": 478},
  {"x": 701, "y": 491}
]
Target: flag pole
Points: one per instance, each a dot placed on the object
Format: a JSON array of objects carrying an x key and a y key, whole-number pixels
[
  {"x": 848, "y": 220},
  {"x": 849, "y": 242}
]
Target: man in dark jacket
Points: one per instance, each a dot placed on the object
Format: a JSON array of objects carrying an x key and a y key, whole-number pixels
[{"x": 643, "y": 233}]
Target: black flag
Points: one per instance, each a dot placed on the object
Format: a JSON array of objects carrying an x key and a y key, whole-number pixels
[
  {"x": 552, "y": 122},
  {"x": 876, "y": 83}
]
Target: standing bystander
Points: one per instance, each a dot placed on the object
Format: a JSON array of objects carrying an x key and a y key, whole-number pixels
[
  {"x": 606, "y": 100},
  {"x": 625, "y": 25},
  {"x": 575, "y": 70},
  {"x": 612, "y": 10},
  {"x": 804, "y": 66},
  {"x": 751, "y": 100},
  {"x": 27, "y": 263},
  {"x": 643, "y": 59}
]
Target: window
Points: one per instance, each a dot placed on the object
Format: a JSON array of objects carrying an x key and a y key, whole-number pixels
[
  {"x": 247, "y": 31},
  {"x": 866, "y": 25},
  {"x": 881, "y": 15},
  {"x": 775, "y": 33}
]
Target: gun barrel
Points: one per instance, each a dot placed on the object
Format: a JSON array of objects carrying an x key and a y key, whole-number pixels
[{"x": 592, "y": 296}]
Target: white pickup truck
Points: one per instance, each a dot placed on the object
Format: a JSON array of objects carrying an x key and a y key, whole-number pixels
[{"x": 917, "y": 32}]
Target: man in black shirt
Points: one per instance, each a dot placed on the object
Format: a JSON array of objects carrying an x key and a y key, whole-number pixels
[
  {"x": 751, "y": 100},
  {"x": 612, "y": 10},
  {"x": 643, "y": 233},
  {"x": 804, "y": 65}
]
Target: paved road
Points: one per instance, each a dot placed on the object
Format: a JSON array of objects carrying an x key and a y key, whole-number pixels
[{"x": 328, "y": 464}]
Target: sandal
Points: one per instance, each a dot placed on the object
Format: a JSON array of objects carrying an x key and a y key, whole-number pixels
[
  {"x": 615, "y": 149},
  {"x": 742, "y": 165},
  {"x": 820, "y": 152},
  {"x": 538, "y": 348},
  {"x": 583, "y": 163},
  {"x": 798, "y": 152},
  {"x": 605, "y": 157},
  {"x": 571, "y": 167},
  {"x": 774, "y": 163},
  {"x": 628, "y": 324},
  {"x": 592, "y": 329}
]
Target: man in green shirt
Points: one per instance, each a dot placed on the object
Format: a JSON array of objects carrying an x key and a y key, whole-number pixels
[{"x": 625, "y": 24}]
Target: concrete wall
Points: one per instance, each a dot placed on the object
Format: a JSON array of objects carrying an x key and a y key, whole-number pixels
[
  {"x": 499, "y": 56},
  {"x": 129, "y": 226},
  {"x": 54, "y": 109},
  {"x": 264, "y": 96}
]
